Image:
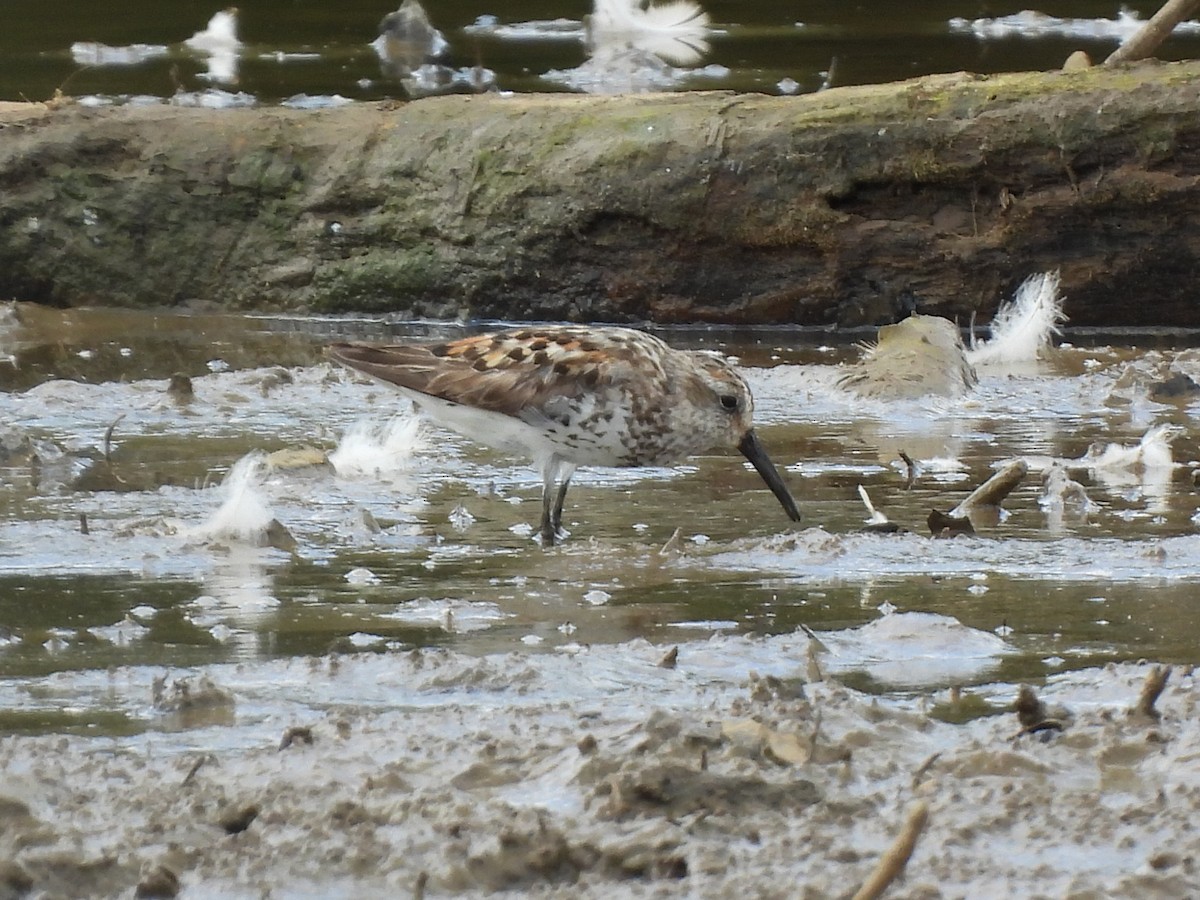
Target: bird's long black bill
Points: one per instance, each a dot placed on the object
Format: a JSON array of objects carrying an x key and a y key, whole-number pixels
[{"x": 753, "y": 450}]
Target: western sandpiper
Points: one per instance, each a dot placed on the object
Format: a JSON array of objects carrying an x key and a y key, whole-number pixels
[{"x": 575, "y": 396}]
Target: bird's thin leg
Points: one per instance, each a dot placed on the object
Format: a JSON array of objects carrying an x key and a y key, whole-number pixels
[
  {"x": 549, "y": 526},
  {"x": 554, "y": 469},
  {"x": 556, "y": 516}
]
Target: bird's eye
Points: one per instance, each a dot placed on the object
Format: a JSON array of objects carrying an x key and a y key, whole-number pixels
[{"x": 729, "y": 402}]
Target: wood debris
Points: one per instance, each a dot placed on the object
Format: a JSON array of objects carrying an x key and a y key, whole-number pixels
[
  {"x": 1155, "y": 681},
  {"x": 896, "y": 858}
]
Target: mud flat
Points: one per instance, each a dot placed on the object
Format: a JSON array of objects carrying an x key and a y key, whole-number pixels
[
  {"x": 852, "y": 206},
  {"x": 733, "y": 765}
]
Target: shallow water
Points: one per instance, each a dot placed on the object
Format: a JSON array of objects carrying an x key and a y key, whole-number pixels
[
  {"x": 747, "y": 704},
  {"x": 322, "y": 51},
  {"x": 420, "y": 538}
]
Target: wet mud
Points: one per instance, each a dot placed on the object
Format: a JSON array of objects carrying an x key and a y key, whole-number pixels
[
  {"x": 478, "y": 775},
  {"x": 271, "y": 634}
]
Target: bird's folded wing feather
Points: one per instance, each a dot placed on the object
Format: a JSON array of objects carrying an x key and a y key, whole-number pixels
[{"x": 524, "y": 378}]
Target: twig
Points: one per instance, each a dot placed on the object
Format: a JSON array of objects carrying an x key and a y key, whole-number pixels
[
  {"x": 1146, "y": 39},
  {"x": 108, "y": 438},
  {"x": 812, "y": 636},
  {"x": 925, "y": 767},
  {"x": 814, "y": 673},
  {"x": 912, "y": 470},
  {"x": 108, "y": 448},
  {"x": 993, "y": 491},
  {"x": 1155, "y": 681},
  {"x": 672, "y": 544},
  {"x": 830, "y": 74},
  {"x": 194, "y": 769},
  {"x": 894, "y": 861}
]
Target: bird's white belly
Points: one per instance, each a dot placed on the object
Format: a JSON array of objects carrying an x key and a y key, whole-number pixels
[{"x": 598, "y": 445}]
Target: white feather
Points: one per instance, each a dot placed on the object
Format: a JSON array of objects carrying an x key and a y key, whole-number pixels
[
  {"x": 1061, "y": 492},
  {"x": 876, "y": 517},
  {"x": 679, "y": 17},
  {"x": 244, "y": 514},
  {"x": 219, "y": 37},
  {"x": 1023, "y": 327},
  {"x": 378, "y": 449},
  {"x": 1153, "y": 451},
  {"x": 675, "y": 32}
]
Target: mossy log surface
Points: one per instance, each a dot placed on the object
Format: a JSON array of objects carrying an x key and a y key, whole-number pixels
[{"x": 849, "y": 207}]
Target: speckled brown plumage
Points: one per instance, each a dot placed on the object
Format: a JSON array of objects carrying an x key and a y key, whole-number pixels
[{"x": 575, "y": 395}]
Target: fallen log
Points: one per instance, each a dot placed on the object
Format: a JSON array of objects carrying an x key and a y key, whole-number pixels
[{"x": 854, "y": 206}]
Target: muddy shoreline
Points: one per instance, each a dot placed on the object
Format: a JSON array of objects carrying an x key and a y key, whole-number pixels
[
  {"x": 700, "y": 777},
  {"x": 849, "y": 207},
  {"x": 413, "y": 699}
]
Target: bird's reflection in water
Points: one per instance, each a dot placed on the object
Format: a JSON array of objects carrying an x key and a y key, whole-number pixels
[{"x": 412, "y": 52}]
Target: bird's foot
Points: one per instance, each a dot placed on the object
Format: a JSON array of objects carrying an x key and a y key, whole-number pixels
[{"x": 551, "y": 536}]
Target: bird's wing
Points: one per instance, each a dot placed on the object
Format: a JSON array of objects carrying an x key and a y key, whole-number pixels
[{"x": 526, "y": 374}]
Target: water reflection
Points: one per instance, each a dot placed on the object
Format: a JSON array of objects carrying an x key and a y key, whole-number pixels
[
  {"x": 1030, "y": 24},
  {"x": 240, "y": 586},
  {"x": 323, "y": 52},
  {"x": 411, "y": 53},
  {"x": 407, "y": 41},
  {"x": 633, "y": 47},
  {"x": 219, "y": 46}
]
